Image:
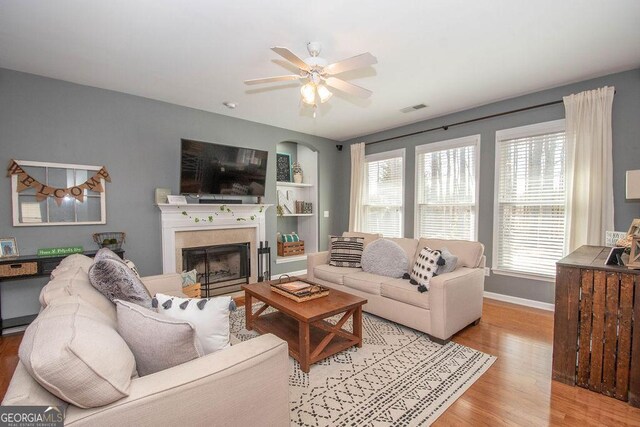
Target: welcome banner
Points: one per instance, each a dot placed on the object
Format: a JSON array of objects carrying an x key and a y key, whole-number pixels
[{"x": 43, "y": 191}]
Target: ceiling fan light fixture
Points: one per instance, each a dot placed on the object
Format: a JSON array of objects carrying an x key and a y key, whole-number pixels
[
  {"x": 308, "y": 92},
  {"x": 324, "y": 93}
]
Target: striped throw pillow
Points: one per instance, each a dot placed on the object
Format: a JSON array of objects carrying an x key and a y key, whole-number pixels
[{"x": 346, "y": 251}]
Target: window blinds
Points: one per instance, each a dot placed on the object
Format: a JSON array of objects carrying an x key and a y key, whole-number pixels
[
  {"x": 530, "y": 209},
  {"x": 383, "y": 195},
  {"x": 446, "y": 189}
]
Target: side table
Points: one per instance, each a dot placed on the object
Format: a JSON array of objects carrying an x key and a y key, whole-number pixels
[{"x": 26, "y": 267}]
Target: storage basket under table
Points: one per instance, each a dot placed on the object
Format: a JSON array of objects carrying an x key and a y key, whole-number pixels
[{"x": 291, "y": 248}]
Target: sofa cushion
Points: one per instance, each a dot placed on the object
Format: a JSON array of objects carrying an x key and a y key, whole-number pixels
[
  {"x": 25, "y": 390},
  {"x": 366, "y": 237},
  {"x": 365, "y": 282},
  {"x": 115, "y": 280},
  {"x": 385, "y": 258},
  {"x": 158, "y": 342},
  {"x": 73, "y": 352},
  {"x": 469, "y": 253},
  {"x": 450, "y": 262},
  {"x": 409, "y": 247},
  {"x": 77, "y": 283},
  {"x": 346, "y": 251},
  {"x": 210, "y": 317},
  {"x": 425, "y": 268},
  {"x": 333, "y": 274},
  {"x": 70, "y": 264},
  {"x": 403, "y": 291}
]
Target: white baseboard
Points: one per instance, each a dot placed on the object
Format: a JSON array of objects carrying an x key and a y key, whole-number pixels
[{"x": 520, "y": 301}]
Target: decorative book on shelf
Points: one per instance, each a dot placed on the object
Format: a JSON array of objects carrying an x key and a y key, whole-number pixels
[{"x": 299, "y": 290}]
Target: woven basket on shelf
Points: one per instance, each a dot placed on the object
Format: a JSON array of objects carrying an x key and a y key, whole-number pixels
[{"x": 100, "y": 239}]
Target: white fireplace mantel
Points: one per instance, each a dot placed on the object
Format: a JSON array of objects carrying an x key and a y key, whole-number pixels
[{"x": 193, "y": 217}]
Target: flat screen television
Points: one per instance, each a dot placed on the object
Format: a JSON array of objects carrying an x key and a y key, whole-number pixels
[{"x": 216, "y": 169}]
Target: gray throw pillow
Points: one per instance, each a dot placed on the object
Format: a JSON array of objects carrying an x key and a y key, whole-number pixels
[
  {"x": 157, "y": 342},
  {"x": 113, "y": 279},
  {"x": 450, "y": 262},
  {"x": 385, "y": 258},
  {"x": 104, "y": 253}
]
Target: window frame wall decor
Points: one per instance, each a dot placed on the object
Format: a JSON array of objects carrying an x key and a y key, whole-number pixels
[
  {"x": 524, "y": 269},
  {"x": 383, "y": 202},
  {"x": 471, "y": 141},
  {"x": 41, "y": 173}
]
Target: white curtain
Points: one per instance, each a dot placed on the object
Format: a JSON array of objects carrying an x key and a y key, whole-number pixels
[
  {"x": 589, "y": 167},
  {"x": 357, "y": 185}
]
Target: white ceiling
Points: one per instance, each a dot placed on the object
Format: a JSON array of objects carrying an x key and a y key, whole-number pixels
[{"x": 448, "y": 54}]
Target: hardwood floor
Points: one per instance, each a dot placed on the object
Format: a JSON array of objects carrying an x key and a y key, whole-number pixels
[{"x": 516, "y": 391}]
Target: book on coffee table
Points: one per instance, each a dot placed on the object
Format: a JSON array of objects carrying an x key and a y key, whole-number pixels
[{"x": 300, "y": 290}]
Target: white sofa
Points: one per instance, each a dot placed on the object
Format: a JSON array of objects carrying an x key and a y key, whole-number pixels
[
  {"x": 244, "y": 385},
  {"x": 453, "y": 301}
]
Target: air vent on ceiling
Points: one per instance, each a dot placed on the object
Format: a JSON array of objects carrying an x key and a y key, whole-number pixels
[{"x": 413, "y": 108}]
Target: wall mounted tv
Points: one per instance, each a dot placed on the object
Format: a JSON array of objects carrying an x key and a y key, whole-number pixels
[{"x": 208, "y": 168}]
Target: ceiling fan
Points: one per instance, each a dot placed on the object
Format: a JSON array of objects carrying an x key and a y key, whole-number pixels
[{"x": 319, "y": 75}]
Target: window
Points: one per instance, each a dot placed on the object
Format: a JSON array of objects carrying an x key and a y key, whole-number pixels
[
  {"x": 81, "y": 194},
  {"x": 529, "y": 218},
  {"x": 384, "y": 193},
  {"x": 446, "y": 189}
]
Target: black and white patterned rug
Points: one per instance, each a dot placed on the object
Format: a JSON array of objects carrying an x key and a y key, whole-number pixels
[{"x": 399, "y": 377}]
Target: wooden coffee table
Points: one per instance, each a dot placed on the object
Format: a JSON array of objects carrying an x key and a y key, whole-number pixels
[{"x": 302, "y": 324}]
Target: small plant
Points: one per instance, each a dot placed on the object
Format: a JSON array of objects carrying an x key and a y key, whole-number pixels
[{"x": 296, "y": 167}]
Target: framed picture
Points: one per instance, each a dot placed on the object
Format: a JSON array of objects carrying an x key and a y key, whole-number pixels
[
  {"x": 283, "y": 167},
  {"x": 176, "y": 200},
  {"x": 8, "y": 247}
]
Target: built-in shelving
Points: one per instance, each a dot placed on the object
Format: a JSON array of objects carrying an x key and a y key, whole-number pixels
[
  {"x": 293, "y": 184},
  {"x": 305, "y": 224},
  {"x": 286, "y": 259}
]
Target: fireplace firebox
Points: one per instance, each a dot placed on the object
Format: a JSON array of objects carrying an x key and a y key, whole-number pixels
[{"x": 221, "y": 269}]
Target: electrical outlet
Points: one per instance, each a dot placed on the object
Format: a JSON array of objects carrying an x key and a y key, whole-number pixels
[
  {"x": 326, "y": 214},
  {"x": 487, "y": 271}
]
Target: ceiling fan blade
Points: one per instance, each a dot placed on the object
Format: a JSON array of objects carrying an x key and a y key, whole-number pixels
[
  {"x": 359, "y": 61},
  {"x": 272, "y": 79},
  {"x": 349, "y": 88},
  {"x": 291, "y": 57}
]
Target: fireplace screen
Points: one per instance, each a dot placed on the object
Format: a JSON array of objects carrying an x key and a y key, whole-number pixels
[{"x": 220, "y": 269}]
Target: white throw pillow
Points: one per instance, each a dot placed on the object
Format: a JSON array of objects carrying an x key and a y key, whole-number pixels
[{"x": 210, "y": 316}]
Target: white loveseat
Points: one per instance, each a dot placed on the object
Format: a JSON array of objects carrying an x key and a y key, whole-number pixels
[
  {"x": 246, "y": 384},
  {"x": 453, "y": 301}
]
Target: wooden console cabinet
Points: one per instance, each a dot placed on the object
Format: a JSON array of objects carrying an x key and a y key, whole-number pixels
[{"x": 596, "y": 339}]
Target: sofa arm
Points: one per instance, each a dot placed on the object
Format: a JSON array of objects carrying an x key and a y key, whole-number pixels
[
  {"x": 315, "y": 259},
  {"x": 169, "y": 284},
  {"x": 455, "y": 300},
  {"x": 231, "y": 387}
]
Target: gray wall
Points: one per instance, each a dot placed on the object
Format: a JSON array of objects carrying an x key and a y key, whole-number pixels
[
  {"x": 626, "y": 156},
  {"x": 138, "y": 140}
]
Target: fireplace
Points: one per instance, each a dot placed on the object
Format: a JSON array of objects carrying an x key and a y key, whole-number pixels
[{"x": 220, "y": 269}]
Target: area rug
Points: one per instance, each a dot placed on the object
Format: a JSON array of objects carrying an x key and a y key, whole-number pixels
[{"x": 399, "y": 377}]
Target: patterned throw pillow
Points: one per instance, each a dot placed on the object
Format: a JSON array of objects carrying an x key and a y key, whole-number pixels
[
  {"x": 425, "y": 268},
  {"x": 209, "y": 316},
  {"x": 346, "y": 251},
  {"x": 117, "y": 281},
  {"x": 189, "y": 277}
]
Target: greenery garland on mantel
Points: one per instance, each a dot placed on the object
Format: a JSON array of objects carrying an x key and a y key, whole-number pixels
[{"x": 223, "y": 209}]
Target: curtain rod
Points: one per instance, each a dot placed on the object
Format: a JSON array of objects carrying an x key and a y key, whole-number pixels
[{"x": 446, "y": 127}]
